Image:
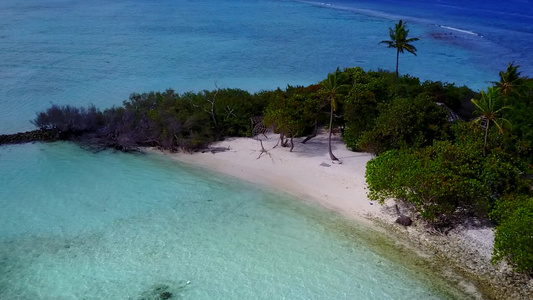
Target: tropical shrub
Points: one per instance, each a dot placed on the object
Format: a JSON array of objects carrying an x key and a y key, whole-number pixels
[
  {"x": 289, "y": 116},
  {"x": 360, "y": 113},
  {"x": 513, "y": 241},
  {"x": 456, "y": 98},
  {"x": 446, "y": 175},
  {"x": 404, "y": 123},
  {"x": 436, "y": 179}
]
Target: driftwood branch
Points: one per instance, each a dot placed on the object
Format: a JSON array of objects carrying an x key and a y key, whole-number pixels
[{"x": 264, "y": 151}]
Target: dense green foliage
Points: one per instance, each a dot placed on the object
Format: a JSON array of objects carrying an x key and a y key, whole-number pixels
[
  {"x": 444, "y": 179},
  {"x": 514, "y": 235},
  {"x": 436, "y": 179},
  {"x": 292, "y": 112},
  {"x": 381, "y": 115},
  {"x": 449, "y": 170},
  {"x": 404, "y": 123}
]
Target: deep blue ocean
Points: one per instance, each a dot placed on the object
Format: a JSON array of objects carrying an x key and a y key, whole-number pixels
[{"x": 79, "y": 225}]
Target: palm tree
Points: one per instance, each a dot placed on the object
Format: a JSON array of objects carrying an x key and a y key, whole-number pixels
[
  {"x": 490, "y": 110},
  {"x": 399, "y": 40},
  {"x": 332, "y": 87},
  {"x": 510, "y": 81}
]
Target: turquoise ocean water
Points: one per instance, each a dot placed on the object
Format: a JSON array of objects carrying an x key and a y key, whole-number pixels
[{"x": 78, "y": 225}]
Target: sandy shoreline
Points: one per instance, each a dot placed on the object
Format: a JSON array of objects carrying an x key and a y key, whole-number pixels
[{"x": 306, "y": 173}]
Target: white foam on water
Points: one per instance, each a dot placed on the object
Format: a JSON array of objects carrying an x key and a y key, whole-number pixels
[{"x": 459, "y": 30}]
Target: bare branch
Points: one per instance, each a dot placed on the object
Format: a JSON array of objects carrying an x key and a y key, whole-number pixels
[{"x": 229, "y": 112}]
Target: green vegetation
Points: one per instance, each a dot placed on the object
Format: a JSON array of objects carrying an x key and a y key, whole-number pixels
[
  {"x": 292, "y": 112},
  {"x": 510, "y": 82},
  {"x": 490, "y": 109},
  {"x": 514, "y": 235},
  {"x": 449, "y": 170},
  {"x": 437, "y": 179}
]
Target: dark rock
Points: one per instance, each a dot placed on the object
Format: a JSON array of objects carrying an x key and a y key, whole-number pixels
[
  {"x": 166, "y": 295},
  {"x": 41, "y": 135},
  {"x": 404, "y": 220}
]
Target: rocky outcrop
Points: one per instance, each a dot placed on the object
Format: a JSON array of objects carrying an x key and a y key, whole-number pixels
[
  {"x": 464, "y": 251},
  {"x": 404, "y": 220},
  {"x": 40, "y": 135}
]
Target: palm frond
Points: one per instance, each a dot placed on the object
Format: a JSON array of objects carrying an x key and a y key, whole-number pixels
[
  {"x": 477, "y": 104},
  {"x": 390, "y": 44},
  {"x": 410, "y": 49},
  {"x": 500, "y": 126}
]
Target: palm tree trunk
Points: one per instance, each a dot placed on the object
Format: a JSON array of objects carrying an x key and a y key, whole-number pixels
[
  {"x": 331, "y": 156},
  {"x": 486, "y": 135},
  {"x": 397, "y": 61}
]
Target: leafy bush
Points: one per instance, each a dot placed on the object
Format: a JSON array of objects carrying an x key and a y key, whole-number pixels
[
  {"x": 361, "y": 111},
  {"x": 383, "y": 114},
  {"x": 444, "y": 176},
  {"x": 293, "y": 113},
  {"x": 160, "y": 119},
  {"x": 456, "y": 98},
  {"x": 513, "y": 241},
  {"x": 436, "y": 179},
  {"x": 405, "y": 123}
]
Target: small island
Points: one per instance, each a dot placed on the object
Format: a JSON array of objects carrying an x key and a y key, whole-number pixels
[
  {"x": 452, "y": 159},
  {"x": 452, "y": 168}
]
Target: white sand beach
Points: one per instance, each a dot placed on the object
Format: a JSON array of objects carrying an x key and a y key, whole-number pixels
[{"x": 307, "y": 172}]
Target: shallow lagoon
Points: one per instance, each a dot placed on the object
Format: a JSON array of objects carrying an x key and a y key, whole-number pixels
[{"x": 78, "y": 225}]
